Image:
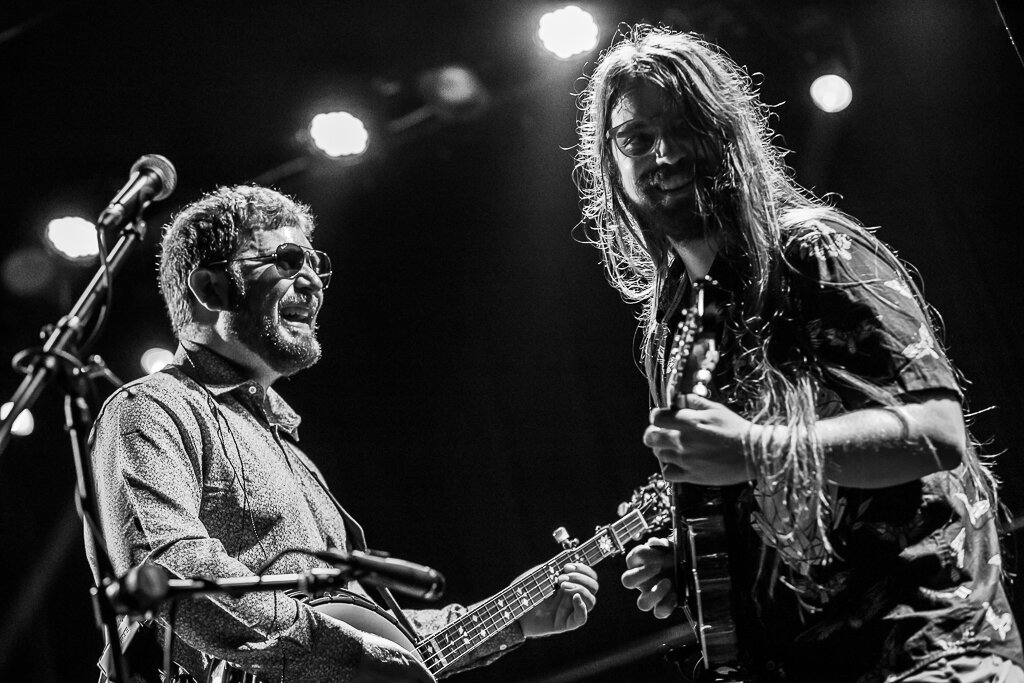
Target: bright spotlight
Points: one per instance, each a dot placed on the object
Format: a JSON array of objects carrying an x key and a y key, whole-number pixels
[
  {"x": 339, "y": 134},
  {"x": 154, "y": 360},
  {"x": 831, "y": 93},
  {"x": 73, "y": 238},
  {"x": 23, "y": 425},
  {"x": 568, "y": 31}
]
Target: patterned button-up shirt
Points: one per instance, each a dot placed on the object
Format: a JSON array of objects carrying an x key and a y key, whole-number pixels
[
  {"x": 916, "y": 570},
  {"x": 198, "y": 470}
]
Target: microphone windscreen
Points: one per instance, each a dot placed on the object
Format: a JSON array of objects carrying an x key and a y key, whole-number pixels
[{"x": 163, "y": 168}]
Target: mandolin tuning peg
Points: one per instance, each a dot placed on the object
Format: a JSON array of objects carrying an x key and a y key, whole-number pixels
[{"x": 623, "y": 509}]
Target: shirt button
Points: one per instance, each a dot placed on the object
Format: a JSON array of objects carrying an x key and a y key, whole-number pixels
[
  {"x": 503, "y": 647},
  {"x": 252, "y": 390}
]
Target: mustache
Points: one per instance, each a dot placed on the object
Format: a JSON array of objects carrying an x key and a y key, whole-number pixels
[
  {"x": 307, "y": 301},
  {"x": 691, "y": 169}
]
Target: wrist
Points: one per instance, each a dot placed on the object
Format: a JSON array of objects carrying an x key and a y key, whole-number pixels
[{"x": 763, "y": 440}]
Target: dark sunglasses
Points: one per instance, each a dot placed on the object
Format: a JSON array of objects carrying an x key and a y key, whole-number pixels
[
  {"x": 638, "y": 139},
  {"x": 289, "y": 258}
]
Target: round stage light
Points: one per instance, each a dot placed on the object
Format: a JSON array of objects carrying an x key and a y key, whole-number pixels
[
  {"x": 453, "y": 91},
  {"x": 831, "y": 93},
  {"x": 339, "y": 134},
  {"x": 73, "y": 238},
  {"x": 568, "y": 31},
  {"x": 28, "y": 271}
]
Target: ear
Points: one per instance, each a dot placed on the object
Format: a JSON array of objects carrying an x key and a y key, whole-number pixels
[{"x": 211, "y": 288}]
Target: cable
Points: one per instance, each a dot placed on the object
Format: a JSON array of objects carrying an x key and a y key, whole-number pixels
[
  {"x": 172, "y": 611},
  {"x": 108, "y": 299},
  {"x": 1009, "y": 33}
]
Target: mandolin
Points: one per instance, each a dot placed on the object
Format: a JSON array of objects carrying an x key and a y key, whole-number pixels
[{"x": 698, "y": 520}]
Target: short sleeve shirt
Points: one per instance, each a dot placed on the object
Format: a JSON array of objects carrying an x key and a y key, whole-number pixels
[{"x": 916, "y": 572}]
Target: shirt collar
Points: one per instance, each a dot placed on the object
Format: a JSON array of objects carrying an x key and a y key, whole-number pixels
[{"x": 221, "y": 376}]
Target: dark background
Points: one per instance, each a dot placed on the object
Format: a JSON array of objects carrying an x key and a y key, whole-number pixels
[{"x": 478, "y": 386}]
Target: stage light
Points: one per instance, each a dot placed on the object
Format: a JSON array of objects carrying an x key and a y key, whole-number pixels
[
  {"x": 23, "y": 425},
  {"x": 339, "y": 134},
  {"x": 154, "y": 360},
  {"x": 568, "y": 31},
  {"x": 27, "y": 271},
  {"x": 831, "y": 93},
  {"x": 454, "y": 92},
  {"x": 73, "y": 238}
]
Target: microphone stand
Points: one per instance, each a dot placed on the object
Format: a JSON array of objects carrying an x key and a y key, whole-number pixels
[
  {"x": 143, "y": 589},
  {"x": 148, "y": 586},
  {"x": 56, "y": 360}
]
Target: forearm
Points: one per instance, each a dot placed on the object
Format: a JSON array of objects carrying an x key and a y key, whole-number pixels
[
  {"x": 284, "y": 641},
  {"x": 879, "y": 447}
]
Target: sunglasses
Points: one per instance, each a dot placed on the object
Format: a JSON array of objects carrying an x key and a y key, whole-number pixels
[
  {"x": 289, "y": 259},
  {"x": 638, "y": 139}
]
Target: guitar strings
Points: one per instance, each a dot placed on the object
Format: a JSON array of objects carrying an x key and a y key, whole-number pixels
[
  {"x": 495, "y": 613},
  {"x": 452, "y": 650}
]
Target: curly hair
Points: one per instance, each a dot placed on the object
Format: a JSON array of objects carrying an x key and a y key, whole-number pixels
[{"x": 212, "y": 229}]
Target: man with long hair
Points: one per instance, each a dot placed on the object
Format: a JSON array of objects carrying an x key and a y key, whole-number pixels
[
  {"x": 861, "y": 521},
  {"x": 199, "y": 470}
]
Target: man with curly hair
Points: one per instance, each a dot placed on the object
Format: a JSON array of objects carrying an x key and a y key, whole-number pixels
[
  {"x": 860, "y": 520},
  {"x": 198, "y": 467}
]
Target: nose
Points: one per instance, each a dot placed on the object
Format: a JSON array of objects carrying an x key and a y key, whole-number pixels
[
  {"x": 669, "y": 149},
  {"x": 307, "y": 279}
]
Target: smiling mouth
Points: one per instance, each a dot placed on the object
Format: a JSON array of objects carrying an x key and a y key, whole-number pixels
[
  {"x": 671, "y": 181},
  {"x": 671, "y": 188},
  {"x": 666, "y": 182},
  {"x": 296, "y": 314}
]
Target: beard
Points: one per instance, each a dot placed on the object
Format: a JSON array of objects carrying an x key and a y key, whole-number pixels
[
  {"x": 684, "y": 218},
  {"x": 284, "y": 348},
  {"x": 680, "y": 223}
]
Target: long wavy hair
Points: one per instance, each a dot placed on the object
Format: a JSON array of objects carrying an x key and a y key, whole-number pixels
[{"x": 752, "y": 205}]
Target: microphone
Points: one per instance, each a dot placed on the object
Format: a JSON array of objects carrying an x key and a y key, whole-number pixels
[
  {"x": 141, "y": 589},
  {"x": 414, "y": 580},
  {"x": 152, "y": 178}
]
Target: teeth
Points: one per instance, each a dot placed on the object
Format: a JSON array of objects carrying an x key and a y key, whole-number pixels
[{"x": 296, "y": 314}]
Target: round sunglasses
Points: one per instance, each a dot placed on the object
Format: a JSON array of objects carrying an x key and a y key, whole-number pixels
[
  {"x": 636, "y": 139},
  {"x": 289, "y": 259}
]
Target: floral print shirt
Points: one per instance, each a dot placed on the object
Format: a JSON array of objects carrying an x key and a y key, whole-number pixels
[{"x": 916, "y": 572}]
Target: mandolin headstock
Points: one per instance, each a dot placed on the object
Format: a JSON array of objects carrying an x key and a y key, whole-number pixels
[
  {"x": 653, "y": 502},
  {"x": 693, "y": 355}
]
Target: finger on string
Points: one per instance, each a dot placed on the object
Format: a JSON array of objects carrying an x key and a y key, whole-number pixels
[{"x": 582, "y": 580}]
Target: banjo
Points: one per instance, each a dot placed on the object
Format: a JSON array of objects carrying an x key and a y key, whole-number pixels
[{"x": 440, "y": 651}]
